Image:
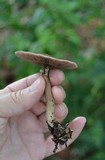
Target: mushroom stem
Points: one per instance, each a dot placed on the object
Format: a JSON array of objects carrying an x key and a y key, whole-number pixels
[{"x": 49, "y": 97}]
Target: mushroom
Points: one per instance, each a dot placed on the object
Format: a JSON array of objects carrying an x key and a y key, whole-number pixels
[{"x": 61, "y": 133}]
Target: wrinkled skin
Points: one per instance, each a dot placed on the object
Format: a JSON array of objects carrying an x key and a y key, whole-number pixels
[{"x": 22, "y": 118}]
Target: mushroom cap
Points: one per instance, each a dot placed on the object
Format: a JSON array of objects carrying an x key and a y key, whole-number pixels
[{"x": 46, "y": 60}]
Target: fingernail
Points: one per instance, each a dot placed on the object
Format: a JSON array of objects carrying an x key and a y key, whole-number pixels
[
  {"x": 84, "y": 118},
  {"x": 63, "y": 91},
  {"x": 64, "y": 107},
  {"x": 35, "y": 85},
  {"x": 81, "y": 117},
  {"x": 63, "y": 110}
]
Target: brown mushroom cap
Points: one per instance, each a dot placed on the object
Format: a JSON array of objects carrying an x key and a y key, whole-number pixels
[{"x": 46, "y": 60}]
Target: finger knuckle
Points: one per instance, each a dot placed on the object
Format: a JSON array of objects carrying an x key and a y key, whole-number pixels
[{"x": 16, "y": 97}]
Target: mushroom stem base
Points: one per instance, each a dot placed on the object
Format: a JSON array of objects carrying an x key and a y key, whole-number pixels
[{"x": 61, "y": 133}]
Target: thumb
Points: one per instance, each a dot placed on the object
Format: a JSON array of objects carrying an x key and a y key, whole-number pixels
[{"x": 16, "y": 103}]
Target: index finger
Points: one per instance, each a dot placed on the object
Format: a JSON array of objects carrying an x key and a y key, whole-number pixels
[{"x": 56, "y": 77}]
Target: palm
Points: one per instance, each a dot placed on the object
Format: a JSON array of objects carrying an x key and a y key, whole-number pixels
[{"x": 25, "y": 138}]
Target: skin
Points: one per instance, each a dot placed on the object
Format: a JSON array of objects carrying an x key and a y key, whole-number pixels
[{"x": 23, "y": 121}]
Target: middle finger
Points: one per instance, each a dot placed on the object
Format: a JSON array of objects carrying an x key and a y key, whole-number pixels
[{"x": 58, "y": 95}]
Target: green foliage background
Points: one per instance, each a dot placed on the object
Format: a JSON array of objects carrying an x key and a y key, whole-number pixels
[{"x": 70, "y": 29}]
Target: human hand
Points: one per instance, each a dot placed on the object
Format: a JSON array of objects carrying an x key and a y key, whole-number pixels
[{"x": 23, "y": 122}]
